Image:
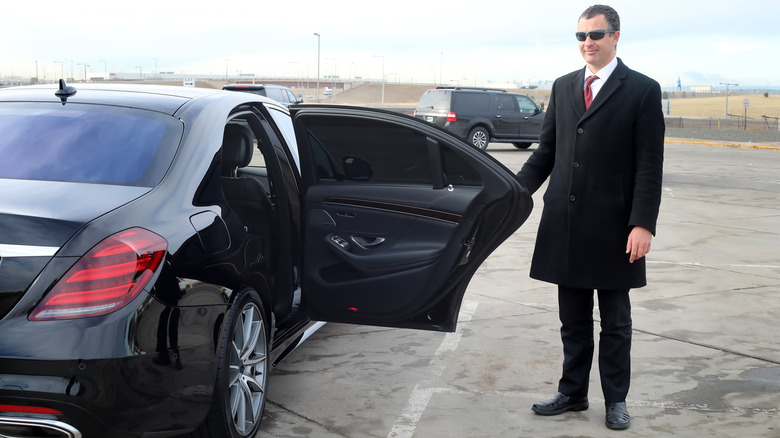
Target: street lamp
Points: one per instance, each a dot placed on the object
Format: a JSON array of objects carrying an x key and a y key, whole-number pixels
[
  {"x": 140, "y": 72},
  {"x": 85, "y": 69},
  {"x": 318, "y": 65},
  {"x": 383, "y": 76},
  {"x": 727, "y": 95}
]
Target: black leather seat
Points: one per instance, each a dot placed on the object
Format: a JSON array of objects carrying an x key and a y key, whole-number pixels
[{"x": 245, "y": 195}]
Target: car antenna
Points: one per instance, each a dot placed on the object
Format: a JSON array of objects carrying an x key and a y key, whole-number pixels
[{"x": 65, "y": 91}]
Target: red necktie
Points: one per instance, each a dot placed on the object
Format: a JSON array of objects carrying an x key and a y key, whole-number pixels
[{"x": 588, "y": 91}]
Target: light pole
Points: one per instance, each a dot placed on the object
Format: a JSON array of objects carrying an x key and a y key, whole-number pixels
[
  {"x": 62, "y": 68},
  {"x": 727, "y": 95},
  {"x": 441, "y": 67},
  {"x": 383, "y": 76},
  {"x": 140, "y": 72},
  {"x": 85, "y": 69},
  {"x": 318, "y": 65}
]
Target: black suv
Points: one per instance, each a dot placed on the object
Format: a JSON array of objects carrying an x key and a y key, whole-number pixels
[
  {"x": 275, "y": 92},
  {"x": 482, "y": 115}
]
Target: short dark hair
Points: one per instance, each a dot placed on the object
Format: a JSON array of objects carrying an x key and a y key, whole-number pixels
[{"x": 613, "y": 19}]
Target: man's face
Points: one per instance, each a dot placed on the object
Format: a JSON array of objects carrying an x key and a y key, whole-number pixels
[{"x": 597, "y": 53}]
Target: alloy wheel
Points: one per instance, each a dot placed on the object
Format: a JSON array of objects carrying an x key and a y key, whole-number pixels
[
  {"x": 479, "y": 138},
  {"x": 248, "y": 369}
]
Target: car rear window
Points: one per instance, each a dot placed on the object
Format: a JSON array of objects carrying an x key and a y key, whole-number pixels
[
  {"x": 86, "y": 143},
  {"x": 435, "y": 100}
]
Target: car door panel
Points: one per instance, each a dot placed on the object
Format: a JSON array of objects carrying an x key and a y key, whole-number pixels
[
  {"x": 396, "y": 247},
  {"x": 381, "y": 235}
]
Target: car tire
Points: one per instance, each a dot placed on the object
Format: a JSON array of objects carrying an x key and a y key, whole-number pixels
[
  {"x": 523, "y": 145},
  {"x": 479, "y": 137},
  {"x": 242, "y": 373}
]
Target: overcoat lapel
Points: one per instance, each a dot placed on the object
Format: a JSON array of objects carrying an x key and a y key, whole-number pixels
[
  {"x": 609, "y": 87},
  {"x": 576, "y": 92}
]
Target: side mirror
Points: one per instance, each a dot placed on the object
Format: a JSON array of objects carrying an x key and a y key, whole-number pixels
[{"x": 357, "y": 169}]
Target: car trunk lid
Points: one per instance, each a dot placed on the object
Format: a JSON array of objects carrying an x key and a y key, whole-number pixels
[{"x": 38, "y": 217}]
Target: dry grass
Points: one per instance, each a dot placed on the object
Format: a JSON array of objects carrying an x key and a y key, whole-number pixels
[{"x": 715, "y": 106}]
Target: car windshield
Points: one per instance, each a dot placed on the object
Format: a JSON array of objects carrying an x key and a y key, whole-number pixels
[{"x": 86, "y": 143}]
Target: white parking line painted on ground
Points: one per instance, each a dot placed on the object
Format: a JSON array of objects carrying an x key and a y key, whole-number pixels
[
  {"x": 730, "y": 265},
  {"x": 406, "y": 423}
]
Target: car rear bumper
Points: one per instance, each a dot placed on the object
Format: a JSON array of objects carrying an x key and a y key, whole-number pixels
[
  {"x": 24, "y": 427},
  {"x": 117, "y": 378}
]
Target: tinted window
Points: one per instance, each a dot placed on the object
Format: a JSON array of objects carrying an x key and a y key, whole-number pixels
[
  {"x": 505, "y": 103},
  {"x": 84, "y": 143},
  {"x": 435, "y": 99},
  {"x": 395, "y": 154},
  {"x": 274, "y": 93},
  {"x": 471, "y": 102}
]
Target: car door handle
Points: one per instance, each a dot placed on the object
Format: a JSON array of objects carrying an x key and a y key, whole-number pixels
[{"x": 367, "y": 242}]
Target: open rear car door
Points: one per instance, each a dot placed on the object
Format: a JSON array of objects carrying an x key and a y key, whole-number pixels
[{"x": 398, "y": 216}]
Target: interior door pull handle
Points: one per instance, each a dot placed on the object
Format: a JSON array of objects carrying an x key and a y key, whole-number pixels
[{"x": 367, "y": 242}]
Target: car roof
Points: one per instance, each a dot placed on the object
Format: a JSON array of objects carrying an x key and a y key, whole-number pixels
[
  {"x": 494, "y": 90},
  {"x": 252, "y": 86},
  {"x": 161, "y": 98}
]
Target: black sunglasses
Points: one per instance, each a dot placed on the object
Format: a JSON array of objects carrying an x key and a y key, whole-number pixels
[{"x": 594, "y": 34}]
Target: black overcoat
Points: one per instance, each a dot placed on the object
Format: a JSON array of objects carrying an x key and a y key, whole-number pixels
[{"x": 605, "y": 167}]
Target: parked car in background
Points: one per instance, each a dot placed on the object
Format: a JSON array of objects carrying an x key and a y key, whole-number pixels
[
  {"x": 162, "y": 248},
  {"x": 482, "y": 115},
  {"x": 275, "y": 92}
]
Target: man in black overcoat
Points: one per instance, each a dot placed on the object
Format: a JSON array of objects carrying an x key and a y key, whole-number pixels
[{"x": 605, "y": 166}]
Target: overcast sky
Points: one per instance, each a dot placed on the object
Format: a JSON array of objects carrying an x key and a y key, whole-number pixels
[{"x": 463, "y": 42}]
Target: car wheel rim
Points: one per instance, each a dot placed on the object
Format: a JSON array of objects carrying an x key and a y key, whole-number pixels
[
  {"x": 248, "y": 369},
  {"x": 479, "y": 139}
]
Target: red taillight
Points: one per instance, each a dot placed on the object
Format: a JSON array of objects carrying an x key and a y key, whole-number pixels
[
  {"x": 108, "y": 277},
  {"x": 414, "y": 114},
  {"x": 452, "y": 117},
  {"x": 29, "y": 409}
]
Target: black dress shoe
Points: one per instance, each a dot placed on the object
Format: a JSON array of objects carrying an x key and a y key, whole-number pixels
[
  {"x": 617, "y": 416},
  {"x": 560, "y": 404}
]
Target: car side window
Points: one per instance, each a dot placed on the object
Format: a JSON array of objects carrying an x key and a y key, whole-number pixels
[
  {"x": 526, "y": 105},
  {"x": 290, "y": 97},
  {"x": 346, "y": 150},
  {"x": 505, "y": 103}
]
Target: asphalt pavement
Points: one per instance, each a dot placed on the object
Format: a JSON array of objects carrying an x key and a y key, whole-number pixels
[{"x": 706, "y": 354}]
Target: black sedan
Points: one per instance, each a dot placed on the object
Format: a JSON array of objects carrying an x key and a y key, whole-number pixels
[{"x": 161, "y": 248}]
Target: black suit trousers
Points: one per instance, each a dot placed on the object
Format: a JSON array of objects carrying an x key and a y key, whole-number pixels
[{"x": 576, "y": 314}]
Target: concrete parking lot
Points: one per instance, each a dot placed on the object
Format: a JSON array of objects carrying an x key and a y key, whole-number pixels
[{"x": 706, "y": 354}]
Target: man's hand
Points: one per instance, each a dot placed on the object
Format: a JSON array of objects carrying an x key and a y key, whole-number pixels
[{"x": 638, "y": 243}]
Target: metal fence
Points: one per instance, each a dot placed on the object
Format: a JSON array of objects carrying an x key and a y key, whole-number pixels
[{"x": 731, "y": 123}]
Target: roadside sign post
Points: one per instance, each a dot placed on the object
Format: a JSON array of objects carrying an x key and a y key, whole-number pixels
[{"x": 746, "y": 104}]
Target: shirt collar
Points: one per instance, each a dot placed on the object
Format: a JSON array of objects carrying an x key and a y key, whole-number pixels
[{"x": 605, "y": 71}]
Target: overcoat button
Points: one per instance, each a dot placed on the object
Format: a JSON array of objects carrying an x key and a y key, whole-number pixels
[
  {"x": 580, "y": 130},
  {"x": 572, "y": 198},
  {"x": 575, "y": 164}
]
